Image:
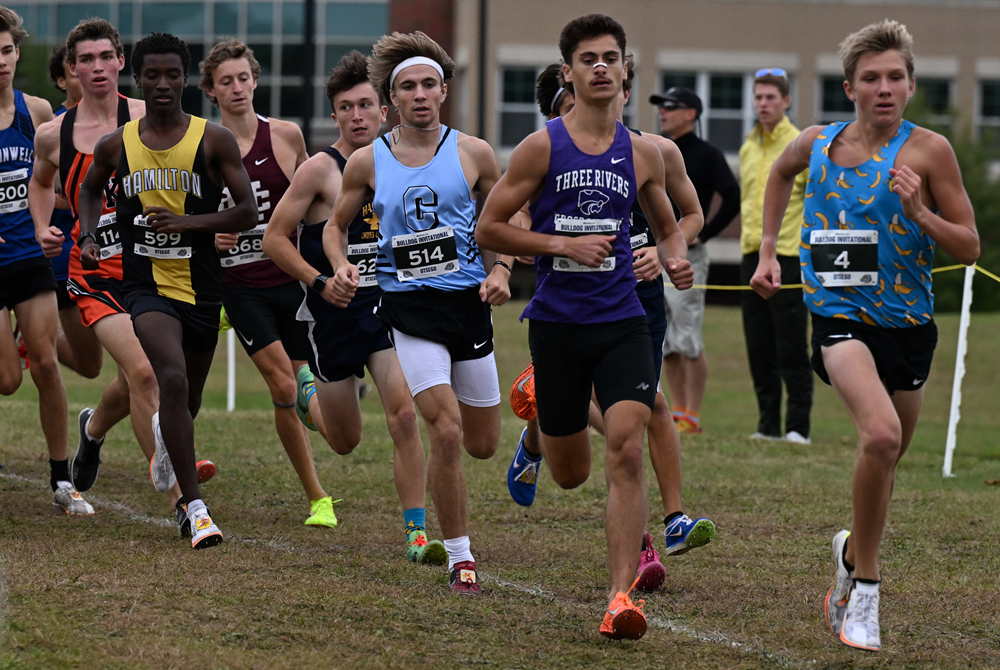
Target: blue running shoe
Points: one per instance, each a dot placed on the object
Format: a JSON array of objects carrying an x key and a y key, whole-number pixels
[
  {"x": 306, "y": 389},
  {"x": 684, "y": 534},
  {"x": 522, "y": 475}
]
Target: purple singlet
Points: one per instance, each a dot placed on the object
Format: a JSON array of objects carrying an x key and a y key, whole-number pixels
[{"x": 585, "y": 195}]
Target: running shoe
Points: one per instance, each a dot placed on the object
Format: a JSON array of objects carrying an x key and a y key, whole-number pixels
[
  {"x": 321, "y": 513},
  {"x": 205, "y": 533},
  {"x": 522, "y": 394},
  {"x": 684, "y": 534},
  {"x": 463, "y": 579},
  {"x": 87, "y": 459},
  {"x": 836, "y": 597},
  {"x": 860, "y": 629},
  {"x": 183, "y": 522},
  {"x": 624, "y": 619},
  {"x": 761, "y": 436},
  {"x": 307, "y": 388},
  {"x": 161, "y": 470},
  {"x": 687, "y": 426},
  {"x": 421, "y": 550},
  {"x": 796, "y": 437},
  {"x": 70, "y": 500},
  {"x": 651, "y": 573},
  {"x": 205, "y": 471},
  {"x": 522, "y": 475},
  {"x": 22, "y": 348}
]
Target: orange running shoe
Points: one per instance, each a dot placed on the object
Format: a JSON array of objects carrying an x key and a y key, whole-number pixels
[
  {"x": 686, "y": 425},
  {"x": 206, "y": 470},
  {"x": 624, "y": 619},
  {"x": 522, "y": 394}
]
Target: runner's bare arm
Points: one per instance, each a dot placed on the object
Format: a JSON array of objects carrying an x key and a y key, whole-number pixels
[
  {"x": 40, "y": 110},
  {"x": 356, "y": 187},
  {"x": 670, "y": 245},
  {"x": 953, "y": 228},
  {"x": 41, "y": 188},
  {"x": 317, "y": 180},
  {"x": 107, "y": 155},
  {"x": 222, "y": 154},
  {"x": 290, "y": 149},
  {"x": 522, "y": 182},
  {"x": 793, "y": 160}
]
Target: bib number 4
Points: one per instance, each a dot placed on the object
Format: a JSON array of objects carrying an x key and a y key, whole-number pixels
[{"x": 845, "y": 257}]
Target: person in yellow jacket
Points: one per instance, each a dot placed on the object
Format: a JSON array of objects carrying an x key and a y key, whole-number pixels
[{"x": 775, "y": 329}]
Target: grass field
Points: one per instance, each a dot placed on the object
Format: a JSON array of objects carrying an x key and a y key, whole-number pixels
[{"x": 120, "y": 590}]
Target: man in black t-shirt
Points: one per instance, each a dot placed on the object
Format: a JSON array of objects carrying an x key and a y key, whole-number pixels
[{"x": 683, "y": 350}]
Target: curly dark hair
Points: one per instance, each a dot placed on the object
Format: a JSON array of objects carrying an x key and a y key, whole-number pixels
[
  {"x": 56, "y": 61},
  {"x": 160, "y": 43},
  {"x": 350, "y": 71},
  {"x": 548, "y": 82},
  {"x": 589, "y": 27}
]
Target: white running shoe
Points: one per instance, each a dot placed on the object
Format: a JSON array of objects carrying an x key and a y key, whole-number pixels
[
  {"x": 204, "y": 532},
  {"x": 761, "y": 436},
  {"x": 797, "y": 438},
  {"x": 161, "y": 470},
  {"x": 860, "y": 629},
  {"x": 836, "y": 597},
  {"x": 70, "y": 500}
]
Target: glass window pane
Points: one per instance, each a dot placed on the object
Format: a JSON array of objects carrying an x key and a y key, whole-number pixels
[
  {"x": 519, "y": 84},
  {"x": 125, "y": 14},
  {"x": 834, "y": 98},
  {"x": 684, "y": 79},
  {"x": 726, "y": 92},
  {"x": 226, "y": 18},
  {"x": 126, "y": 76},
  {"x": 263, "y": 53},
  {"x": 262, "y": 100},
  {"x": 515, "y": 126},
  {"x": 991, "y": 98},
  {"x": 293, "y": 18},
  {"x": 727, "y": 134},
  {"x": 191, "y": 100},
  {"x": 334, "y": 52},
  {"x": 260, "y": 18},
  {"x": 43, "y": 29},
  {"x": 174, "y": 18},
  {"x": 936, "y": 94},
  {"x": 292, "y": 60},
  {"x": 291, "y": 100},
  {"x": 357, "y": 18},
  {"x": 67, "y": 16},
  {"x": 197, "y": 55}
]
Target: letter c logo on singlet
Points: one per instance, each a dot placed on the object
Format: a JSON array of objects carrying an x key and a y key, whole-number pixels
[{"x": 418, "y": 202}]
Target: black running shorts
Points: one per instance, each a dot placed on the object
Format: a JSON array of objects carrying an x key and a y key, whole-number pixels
[
  {"x": 261, "y": 316},
  {"x": 340, "y": 349},
  {"x": 23, "y": 280},
  {"x": 62, "y": 295},
  {"x": 615, "y": 359},
  {"x": 902, "y": 355},
  {"x": 199, "y": 323},
  {"x": 459, "y": 320}
]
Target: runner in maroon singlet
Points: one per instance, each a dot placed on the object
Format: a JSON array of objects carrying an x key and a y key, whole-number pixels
[{"x": 260, "y": 298}]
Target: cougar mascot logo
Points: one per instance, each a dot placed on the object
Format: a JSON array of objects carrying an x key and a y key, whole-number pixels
[{"x": 591, "y": 202}]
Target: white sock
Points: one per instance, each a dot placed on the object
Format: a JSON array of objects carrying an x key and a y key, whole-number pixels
[
  {"x": 868, "y": 589},
  {"x": 86, "y": 431},
  {"x": 458, "y": 550},
  {"x": 196, "y": 506},
  {"x": 64, "y": 485}
]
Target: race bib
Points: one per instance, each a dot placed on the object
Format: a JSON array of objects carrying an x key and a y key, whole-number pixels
[
  {"x": 363, "y": 255},
  {"x": 160, "y": 245},
  {"x": 639, "y": 241},
  {"x": 249, "y": 248},
  {"x": 425, "y": 254},
  {"x": 845, "y": 257},
  {"x": 14, "y": 191},
  {"x": 575, "y": 227},
  {"x": 108, "y": 237}
]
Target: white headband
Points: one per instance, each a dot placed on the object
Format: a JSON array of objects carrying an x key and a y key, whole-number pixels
[
  {"x": 555, "y": 99},
  {"x": 416, "y": 60}
]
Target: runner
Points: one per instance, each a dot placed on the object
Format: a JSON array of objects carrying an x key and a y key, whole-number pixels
[
  {"x": 344, "y": 340},
  {"x": 437, "y": 293},
  {"x": 64, "y": 146},
  {"x": 260, "y": 299},
  {"x": 169, "y": 169},
  {"x": 27, "y": 285},
  {"x": 882, "y": 194},
  {"x": 587, "y": 327},
  {"x": 77, "y": 346},
  {"x": 681, "y": 533}
]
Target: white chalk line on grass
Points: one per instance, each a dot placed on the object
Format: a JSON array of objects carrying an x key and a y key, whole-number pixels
[{"x": 710, "y": 637}]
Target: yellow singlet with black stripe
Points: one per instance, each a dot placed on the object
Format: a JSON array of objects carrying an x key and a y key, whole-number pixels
[{"x": 181, "y": 266}]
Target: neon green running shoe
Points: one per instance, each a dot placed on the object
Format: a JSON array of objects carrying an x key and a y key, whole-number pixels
[
  {"x": 321, "y": 513},
  {"x": 420, "y": 550},
  {"x": 307, "y": 388}
]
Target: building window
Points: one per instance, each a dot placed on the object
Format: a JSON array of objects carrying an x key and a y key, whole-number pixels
[
  {"x": 669, "y": 80},
  {"x": 935, "y": 95},
  {"x": 834, "y": 103},
  {"x": 989, "y": 112}
]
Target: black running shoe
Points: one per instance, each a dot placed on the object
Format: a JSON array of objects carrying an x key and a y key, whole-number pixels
[
  {"x": 87, "y": 459},
  {"x": 183, "y": 523}
]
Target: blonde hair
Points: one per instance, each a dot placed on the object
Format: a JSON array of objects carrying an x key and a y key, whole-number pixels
[
  {"x": 391, "y": 50},
  {"x": 876, "y": 38},
  {"x": 11, "y": 22},
  {"x": 229, "y": 48}
]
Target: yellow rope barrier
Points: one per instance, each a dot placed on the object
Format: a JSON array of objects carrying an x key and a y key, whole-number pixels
[{"x": 719, "y": 287}]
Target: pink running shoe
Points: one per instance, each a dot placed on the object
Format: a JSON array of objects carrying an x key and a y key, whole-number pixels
[{"x": 651, "y": 573}]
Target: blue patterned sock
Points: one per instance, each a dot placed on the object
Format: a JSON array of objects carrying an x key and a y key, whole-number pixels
[{"x": 413, "y": 519}]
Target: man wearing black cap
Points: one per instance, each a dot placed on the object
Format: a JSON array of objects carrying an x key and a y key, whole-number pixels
[{"x": 683, "y": 350}]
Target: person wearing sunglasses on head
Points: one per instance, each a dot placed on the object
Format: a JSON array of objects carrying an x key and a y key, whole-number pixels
[{"x": 775, "y": 329}]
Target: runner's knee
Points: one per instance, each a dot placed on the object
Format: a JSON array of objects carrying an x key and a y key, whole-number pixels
[{"x": 882, "y": 442}]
